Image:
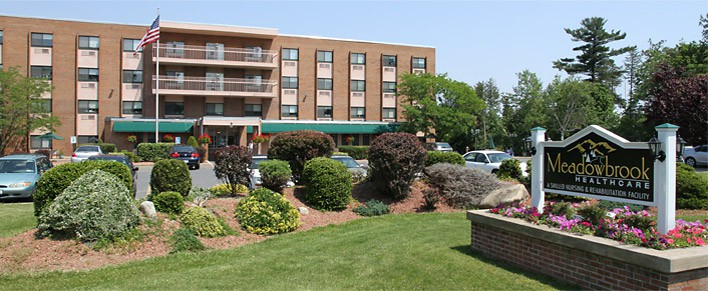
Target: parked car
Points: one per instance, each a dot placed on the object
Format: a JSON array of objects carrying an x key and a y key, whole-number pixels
[
  {"x": 488, "y": 160},
  {"x": 438, "y": 146},
  {"x": 187, "y": 154},
  {"x": 125, "y": 161},
  {"x": 353, "y": 166},
  {"x": 696, "y": 156},
  {"x": 20, "y": 173},
  {"x": 254, "y": 175},
  {"x": 84, "y": 152}
]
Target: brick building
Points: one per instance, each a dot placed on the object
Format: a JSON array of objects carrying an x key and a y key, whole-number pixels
[{"x": 230, "y": 82}]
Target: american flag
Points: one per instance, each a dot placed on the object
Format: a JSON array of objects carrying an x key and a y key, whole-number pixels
[{"x": 152, "y": 35}]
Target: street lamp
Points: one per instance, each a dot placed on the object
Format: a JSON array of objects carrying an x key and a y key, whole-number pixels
[
  {"x": 680, "y": 146},
  {"x": 528, "y": 147}
]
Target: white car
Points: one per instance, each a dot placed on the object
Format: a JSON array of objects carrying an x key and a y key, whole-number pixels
[
  {"x": 489, "y": 161},
  {"x": 84, "y": 152},
  {"x": 696, "y": 156}
]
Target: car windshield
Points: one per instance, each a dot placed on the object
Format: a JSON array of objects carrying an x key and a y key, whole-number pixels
[
  {"x": 498, "y": 157},
  {"x": 256, "y": 161},
  {"x": 349, "y": 162},
  {"x": 87, "y": 149},
  {"x": 17, "y": 166},
  {"x": 443, "y": 145},
  {"x": 183, "y": 149}
]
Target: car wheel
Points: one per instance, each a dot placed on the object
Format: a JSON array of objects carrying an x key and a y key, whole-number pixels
[
  {"x": 691, "y": 162},
  {"x": 494, "y": 172},
  {"x": 196, "y": 167}
]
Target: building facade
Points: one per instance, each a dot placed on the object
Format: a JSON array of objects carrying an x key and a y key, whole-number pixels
[{"x": 225, "y": 81}]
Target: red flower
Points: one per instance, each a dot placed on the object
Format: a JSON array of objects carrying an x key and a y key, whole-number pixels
[{"x": 205, "y": 138}]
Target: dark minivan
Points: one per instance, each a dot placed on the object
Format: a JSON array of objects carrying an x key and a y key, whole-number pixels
[{"x": 187, "y": 154}]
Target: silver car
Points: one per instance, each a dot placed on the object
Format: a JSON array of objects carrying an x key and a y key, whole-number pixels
[
  {"x": 20, "y": 173},
  {"x": 354, "y": 167},
  {"x": 83, "y": 152},
  {"x": 697, "y": 156}
]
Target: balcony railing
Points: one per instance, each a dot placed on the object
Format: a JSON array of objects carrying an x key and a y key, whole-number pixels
[
  {"x": 216, "y": 87},
  {"x": 223, "y": 56}
]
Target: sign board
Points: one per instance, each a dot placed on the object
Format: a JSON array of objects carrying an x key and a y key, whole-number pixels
[
  {"x": 73, "y": 139},
  {"x": 178, "y": 140}
]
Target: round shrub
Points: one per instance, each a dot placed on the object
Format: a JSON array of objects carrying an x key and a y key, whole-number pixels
[
  {"x": 435, "y": 157},
  {"x": 224, "y": 190},
  {"x": 461, "y": 187},
  {"x": 267, "y": 212},
  {"x": 95, "y": 206},
  {"x": 691, "y": 188},
  {"x": 184, "y": 240},
  {"x": 297, "y": 147},
  {"x": 328, "y": 184},
  {"x": 53, "y": 182},
  {"x": 275, "y": 174},
  {"x": 232, "y": 165},
  {"x": 192, "y": 141},
  {"x": 509, "y": 168},
  {"x": 169, "y": 202},
  {"x": 170, "y": 175},
  {"x": 201, "y": 222},
  {"x": 394, "y": 161}
]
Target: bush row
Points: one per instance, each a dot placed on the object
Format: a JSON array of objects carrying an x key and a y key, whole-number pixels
[
  {"x": 297, "y": 147},
  {"x": 152, "y": 152},
  {"x": 356, "y": 152}
]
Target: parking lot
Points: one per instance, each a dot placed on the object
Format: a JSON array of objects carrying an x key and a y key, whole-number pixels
[{"x": 204, "y": 177}]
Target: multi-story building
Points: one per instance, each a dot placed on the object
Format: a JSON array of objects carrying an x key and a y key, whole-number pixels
[{"x": 230, "y": 82}]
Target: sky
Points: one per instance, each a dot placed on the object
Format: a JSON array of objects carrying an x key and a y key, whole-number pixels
[{"x": 474, "y": 40}]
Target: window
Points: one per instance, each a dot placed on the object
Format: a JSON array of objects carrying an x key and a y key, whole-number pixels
[
  {"x": 253, "y": 110},
  {"x": 324, "y": 84},
  {"x": 46, "y": 105},
  {"x": 82, "y": 139},
  {"x": 215, "y": 109},
  {"x": 389, "y": 113},
  {"x": 130, "y": 45},
  {"x": 389, "y": 87},
  {"x": 289, "y": 111},
  {"x": 324, "y": 111},
  {"x": 41, "y": 72},
  {"x": 132, "y": 76},
  {"x": 88, "y": 75},
  {"x": 388, "y": 61},
  {"x": 88, "y": 42},
  {"x": 174, "y": 108},
  {"x": 366, "y": 139},
  {"x": 358, "y": 85},
  {"x": 324, "y": 56},
  {"x": 36, "y": 142},
  {"x": 289, "y": 83},
  {"x": 42, "y": 39},
  {"x": 88, "y": 106},
  {"x": 419, "y": 63},
  {"x": 132, "y": 107},
  {"x": 174, "y": 49},
  {"x": 358, "y": 112},
  {"x": 0, "y": 36},
  {"x": 290, "y": 54},
  {"x": 358, "y": 59}
]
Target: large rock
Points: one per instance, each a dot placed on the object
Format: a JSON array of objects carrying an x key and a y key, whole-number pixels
[
  {"x": 148, "y": 208},
  {"x": 511, "y": 193}
]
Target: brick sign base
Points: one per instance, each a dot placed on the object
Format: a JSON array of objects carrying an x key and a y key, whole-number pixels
[{"x": 587, "y": 261}]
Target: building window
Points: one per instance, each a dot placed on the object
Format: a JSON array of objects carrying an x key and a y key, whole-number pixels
[
  {"x": 174, "y": 49},
  {"x": 419, "y": 63},
  {"x": 37, "y": 143},
  {"x": 366, "y": 139},
  {"x": 389, "y": 113},
  {"x": 290, "y": 54},
  {"x": 88, "y": 42},
  {"x": 44, "y": 72},
  {"x": 132, "y": 107},
  {"x": 389, "y": 87},
  {"x": 42, "y": 39},
  {"x": 289, "y": 111},
  {"x": 253, "y": 110},
  {"x": 289, "y": 83},
  {"x": 132, "y": 76},
  {"x": 324, "y": 111},
  {"x": 215, "y": 109},
  {"x": 88, "y": 75},
  {"x": 358, "y": 112},
  {"x": 324, "y": 84},
  {"x": 358, "y": 85},
  {"x": 358, "y": 59},
  {"x": 130, "y": 45},
  {"x": 88, "y": 106},
  {"x": 46, "y": 105},
  {"x": 174, "y": 108},
  {"x": 0, "y": 36},
  {"x": 388, "y": 61},
  {"x": 83, "y": 139},
  {"x": 324, "y": 56}
]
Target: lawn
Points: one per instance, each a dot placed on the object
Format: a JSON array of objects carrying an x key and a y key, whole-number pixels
[
  {"x": 408, "y": 251},
  {"x": 16, "y": 218},
  {"x": 703, "y": 174}
]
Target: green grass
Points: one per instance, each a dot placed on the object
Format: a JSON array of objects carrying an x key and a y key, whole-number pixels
[
  {"x": 703, "y": 174},
  {"x": 16, "y": 218},
  {"x": 693, "y": 217},
  {"x": 409, "y": 251}
]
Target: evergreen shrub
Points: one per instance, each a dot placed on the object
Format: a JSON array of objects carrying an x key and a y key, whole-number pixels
[
  {"x": 372, "y": 207},
  {"x": 267, "y": 212},
  {"x": 170, "y": 175},
  {"x": 192, "y": 141},
  {"x": 169, "y": 202},
  {"x": 356, "y": 152},
  {"x": 328, "y": 184},
  {"x": 202, "y": 222},
  {"x": 275, "y": 174},
  {"x": 184, "y": 240},
  {"x": 509, "y": 168},
  {"x": 460, "y": 186},
  {"x": 691, "y": 188},
  {"x": 152, "y": 152},
  {"x": 435, "y": 157}
]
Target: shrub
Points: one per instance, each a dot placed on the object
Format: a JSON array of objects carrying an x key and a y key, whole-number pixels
[
  {"x": 224, "y": 190},
  {"x": 435, "y": 157},
  {"x": 184, "y": 240},
  {"x": 192, "y": 141},
  {"x": 53, "y": 182},
  {"x": 431, "y": 196},
  {"x": 562, "y": 208},
  {"x": 372, "y": 207},
  {"x": 132, "y": 156},
  {"x": 394, "y": 161},
  {"x": 275, "y": 174},
  {"x": 200, "y": 195},
  {"x": 297, "y": 147},
  {"x": 328, "y": 184},
  {"x": 152, "y": 152},
  {"x": 95, "y": 206},
  {"x": 691, "y": 188},
  {"x": 232, "y": 165},
  {"x": 510, "y": 168},
  {"x": 592, "y": 213},
  {"x": 201, "y": 222},
  {"x": 356, "y": 152},
  {"x": 170, "y": 175},
  {"x": 168, "y": 202},
  {"x": 461, "y": 187},
  {"x": 202, "y": 152},
  {"x": 267, "y": 212}
]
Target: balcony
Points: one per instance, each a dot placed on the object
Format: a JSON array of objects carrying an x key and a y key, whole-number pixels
[
  {"x": 190, "y": 55},
  {"x": 228, "y": 87}
]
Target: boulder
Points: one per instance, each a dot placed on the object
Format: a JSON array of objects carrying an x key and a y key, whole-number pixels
[
  {"x": 511, "y": 193},
  {"x": 303, "y": 210},
  {"x": 148, "y": 208}
]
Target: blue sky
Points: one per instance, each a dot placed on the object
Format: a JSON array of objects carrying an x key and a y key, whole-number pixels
[{"x": 474, "y": 40}]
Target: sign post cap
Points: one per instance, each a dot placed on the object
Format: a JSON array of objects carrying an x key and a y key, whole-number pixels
[
  {"x": 538, "y": 128},
  {"x": 666, "y": 126}
]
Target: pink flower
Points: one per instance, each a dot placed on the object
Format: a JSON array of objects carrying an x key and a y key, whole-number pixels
[{"x": 699, "y": 241}]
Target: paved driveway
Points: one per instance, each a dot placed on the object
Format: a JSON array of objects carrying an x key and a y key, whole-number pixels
[{"x": 204, "y": 177}]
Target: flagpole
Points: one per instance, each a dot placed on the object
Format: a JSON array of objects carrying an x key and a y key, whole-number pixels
[{"x": 157, "y": 90}]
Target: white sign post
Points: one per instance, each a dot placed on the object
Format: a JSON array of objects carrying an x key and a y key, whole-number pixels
[
  {"x": 665, "y": 179},
  {"x": 538, "y": 134}
]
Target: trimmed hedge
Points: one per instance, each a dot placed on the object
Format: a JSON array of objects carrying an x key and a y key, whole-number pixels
[
  {"x": 356, "y": 152},
  {"x": 168, "y": 202},
  {"x": 202, "y": 222},
  {"x": 275, "y": 174},
  {"x": 297, "y": 147},
  {"x": 170, "y": 175},
  {"x": 267, "y": 212},
  {"x": 53, "y": 182},
  {"x": 435, "y": 157},
  {"x": 691, "y": 188},
  {"x": 106, "y": 148},
  {"x": 328, "y": 184},
  {"x": 394, "y": 161},
  {"x": 152, "y": 152}
]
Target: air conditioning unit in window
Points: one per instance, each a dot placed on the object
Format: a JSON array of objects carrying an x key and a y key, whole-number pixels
[
  {"x": 388, "y": 95},
  {"x": 289, "y": 92},
  {"x": 325, "y": 66},
  {"x": 357, "y": 94},
  {"x": 289, "y": 64},
  {"x": 418, "y": 71},
  {"x": 88, "y": 85},
  {"x": 88, "y": 117},
  {"x": 324, "y": 119},
  {"x": 325, "y": 94},
  {"x": 358, "y": 68},
  {"x": 389, "y": 70},
  {"x": 88, "y": 53},
  {"x": 132, "y": 86}
]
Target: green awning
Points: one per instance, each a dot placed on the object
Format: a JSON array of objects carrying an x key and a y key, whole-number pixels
[
  {"x": 149, "y": 126},
  {"x": 341, "y": 128}
]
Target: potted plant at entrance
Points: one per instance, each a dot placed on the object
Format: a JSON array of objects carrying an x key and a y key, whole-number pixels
[
  {"x": 350, "y": 140},
  {"x": 168, "y": 138},
  {"x": 203, "y": 150},
  {"x": 133, "y": 139},
  {"x": 259, "y": 139}
]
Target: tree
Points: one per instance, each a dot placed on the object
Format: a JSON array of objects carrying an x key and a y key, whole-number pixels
[
  {"x": 22, "y": 110},
  {"x": 524, "y": 108},
  {"x": 232, "y": 165},
  {"x": 570, "y": 104},
  {"x": 491, "y": 123}
]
